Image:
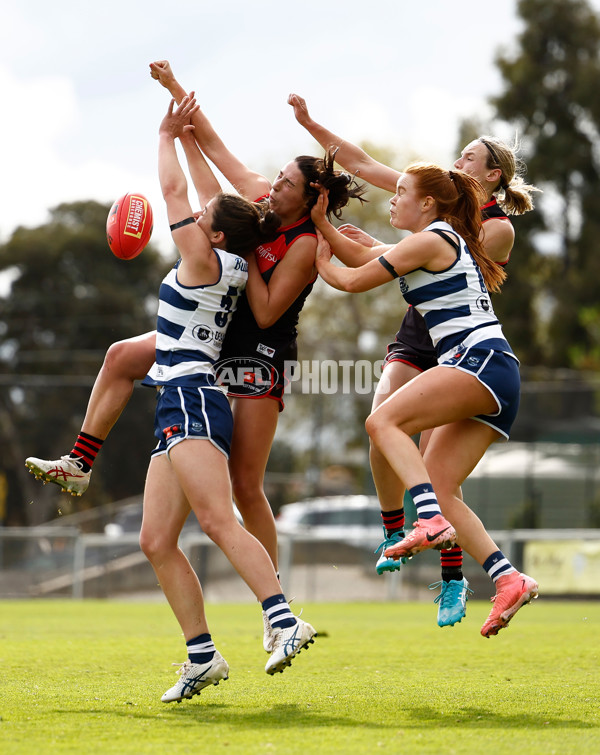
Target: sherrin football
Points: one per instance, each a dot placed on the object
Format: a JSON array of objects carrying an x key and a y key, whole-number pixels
[{"x": 129, "y": 226}]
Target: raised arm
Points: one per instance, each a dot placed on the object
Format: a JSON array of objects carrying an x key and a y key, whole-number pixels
[
  {"x": 199, "y": 263},
  {"x": 203, "y": 178},
  {"x": 350, "y": 156},
  {"x": 246, "y": 182}
]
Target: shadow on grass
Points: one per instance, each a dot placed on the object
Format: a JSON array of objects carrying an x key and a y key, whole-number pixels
[
  {"x": 481, "y": 718},
  {"x": 193, "y": 713}
]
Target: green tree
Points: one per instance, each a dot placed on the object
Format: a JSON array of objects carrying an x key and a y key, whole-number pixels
[
  {"x": 550, "y": 95},
  {"x": 67, "y": 299}
]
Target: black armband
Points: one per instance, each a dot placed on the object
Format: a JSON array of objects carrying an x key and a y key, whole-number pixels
[
  {"x": 388, "y": 267},
  {"x": 181, "y": 223}
]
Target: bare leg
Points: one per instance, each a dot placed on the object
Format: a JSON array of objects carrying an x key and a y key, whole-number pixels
[
  {"x": 452, "y": 453},
  {"x": 436, "y": 398},
  {"x": 159, "y": 535},
  {"x": 204, "y": 477},
  {"x": 124, "y": 363},
  {"x": 254, "y": 426},
  {"x": 390, "y": 490}
]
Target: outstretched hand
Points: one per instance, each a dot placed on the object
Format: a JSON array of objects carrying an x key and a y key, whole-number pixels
[
  {"x": 300, "y": 109},
  {"x": 177, "y": 122},
  {"x": 161, "y": 71}
]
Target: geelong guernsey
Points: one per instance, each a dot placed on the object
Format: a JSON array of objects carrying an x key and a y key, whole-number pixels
[
  {"x": 454, "y": 302},
  {"x": 191, "y": 324}
]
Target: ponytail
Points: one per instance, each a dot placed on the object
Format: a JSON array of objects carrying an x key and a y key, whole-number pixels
[
  {"x": 342, "y": 187},
  {"x": 465, "y": 218},
  {"x": 514, "y": 195}
]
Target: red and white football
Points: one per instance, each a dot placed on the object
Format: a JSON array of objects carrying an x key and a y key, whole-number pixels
[{"x": 129, "y": 226}]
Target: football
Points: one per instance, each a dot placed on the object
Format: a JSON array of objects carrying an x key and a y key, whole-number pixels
[{"x": 129, "y": 226}]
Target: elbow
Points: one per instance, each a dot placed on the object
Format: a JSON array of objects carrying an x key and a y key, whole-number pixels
[
  {"x": 353, "y": 286},
  {"x": 264, "y": 320},
  {"x": 172, "y": 189}
]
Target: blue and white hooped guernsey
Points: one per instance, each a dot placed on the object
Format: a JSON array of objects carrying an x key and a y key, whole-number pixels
[
  {"x": 191, "y": 324},
  {"x": 454, "y": 302}
]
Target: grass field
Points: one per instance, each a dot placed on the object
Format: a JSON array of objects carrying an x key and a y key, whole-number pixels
[{"x": 86, "y": 677}]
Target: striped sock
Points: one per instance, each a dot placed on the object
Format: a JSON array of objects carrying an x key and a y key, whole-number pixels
[
  {"x": 278, "y": 612},
  {"x": 497, "y": 565},
  {"x": 451, "y": 562},
  {"x": 86, "y": 448},
  {"x": 425, "y": 501},
  {"x": 201, "y": 649},
  {"x": 393, "y": 521}
]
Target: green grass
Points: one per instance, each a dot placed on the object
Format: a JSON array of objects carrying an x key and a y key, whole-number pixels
[{"x": 86, "y": 677}]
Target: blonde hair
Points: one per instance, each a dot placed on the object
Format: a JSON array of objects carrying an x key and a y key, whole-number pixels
[{"x": 514, "y": 194}]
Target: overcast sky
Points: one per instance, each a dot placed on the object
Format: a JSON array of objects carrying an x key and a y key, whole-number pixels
[{"x": 80, "y": 111}]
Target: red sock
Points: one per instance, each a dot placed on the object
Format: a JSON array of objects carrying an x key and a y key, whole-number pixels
[
  {"x": 451, "y": 561},
  {"x": 86, "y": 447},
  {"x": 393, "y": 521}
]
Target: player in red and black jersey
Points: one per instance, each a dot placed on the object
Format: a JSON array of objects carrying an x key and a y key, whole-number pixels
[
  {"x": 496, "y": 167},
  {"x": 253, "y": 358},
  {"x": 280, "y": 277}
]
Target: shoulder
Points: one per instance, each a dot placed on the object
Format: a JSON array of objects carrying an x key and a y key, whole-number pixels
[{"x": 498, "y": 237}]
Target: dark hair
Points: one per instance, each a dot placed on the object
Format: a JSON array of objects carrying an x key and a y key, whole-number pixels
[
  {"x": 245, "y": 224},
  {"x": 458, "y": 199},
  {"x": 342, "y": 187}
]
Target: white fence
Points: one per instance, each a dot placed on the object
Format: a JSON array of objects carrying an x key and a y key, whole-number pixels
[{"x": 47, "y": 562}]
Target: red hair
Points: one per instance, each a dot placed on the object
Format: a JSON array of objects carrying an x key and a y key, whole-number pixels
[{"x": 458, "y": 199}]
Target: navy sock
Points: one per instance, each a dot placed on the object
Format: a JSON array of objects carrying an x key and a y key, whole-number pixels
[
  {"x": 278, "y": 612},
  {"x": 425, "y": 501},
  {"x": 201, "y": 649},
  {"x": 497, "y": 565}
]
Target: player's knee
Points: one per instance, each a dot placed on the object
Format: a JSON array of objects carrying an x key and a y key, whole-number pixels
[
  {"x": 245, "y": 488},
  {"x": 116, "y": 357},
  {"x": 156, "y": 545},
  {"x": 374, "y": 427},
  {"x": 126, "y": 359}
]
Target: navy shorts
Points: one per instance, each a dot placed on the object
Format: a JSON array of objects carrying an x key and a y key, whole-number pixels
[
  {"x": 499, "y": 372},
  {"x": 413, "y": 344},
  {"x": 197, "y": 412}
]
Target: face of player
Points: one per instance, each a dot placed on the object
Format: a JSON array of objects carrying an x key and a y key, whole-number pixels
[
  {"x": 286, "y": 197},
  {"x": 408, "y": 208},
  {"x": 473, "y": 161}
]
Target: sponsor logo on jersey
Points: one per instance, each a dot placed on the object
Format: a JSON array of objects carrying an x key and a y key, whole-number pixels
[
  {"x": 265, "y": 350},
  {"x": 202, "y": 333},
  {"x": 484, "y": 303}
]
